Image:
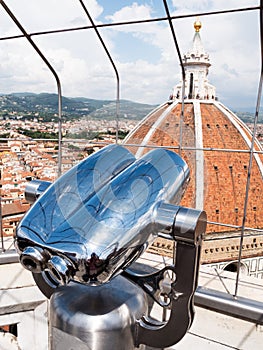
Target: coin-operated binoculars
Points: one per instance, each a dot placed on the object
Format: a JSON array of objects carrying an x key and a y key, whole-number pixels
[{"x": 85, "y": 230}]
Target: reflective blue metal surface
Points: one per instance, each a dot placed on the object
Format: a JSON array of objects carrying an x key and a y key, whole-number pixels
[{"x": 101, "y": 215}]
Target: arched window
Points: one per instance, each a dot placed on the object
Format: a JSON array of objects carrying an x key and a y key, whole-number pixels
[{"x": 233, "y": 266}]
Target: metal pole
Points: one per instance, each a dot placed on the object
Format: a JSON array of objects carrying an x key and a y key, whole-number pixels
[
  {"x": 183, "y": 72},
  {"x": 227, "y": 304},
  {"x": 251, "y": 150},
  {"x": 124, "y": 23},
  {"x": 1, "y": 225},
  {"x": 28, "y": 37},
  {"x": 113, "y": 65}
]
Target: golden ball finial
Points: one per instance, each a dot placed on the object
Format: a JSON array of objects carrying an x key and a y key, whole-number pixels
[{"x": 197, "y": 25}]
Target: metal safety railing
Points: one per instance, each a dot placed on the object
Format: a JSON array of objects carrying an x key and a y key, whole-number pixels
[{"x": 245, "y": 231}]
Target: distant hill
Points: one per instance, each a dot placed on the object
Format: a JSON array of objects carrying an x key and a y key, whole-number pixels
[
  {"x": 45, "y": 105},
  {"x": 248, "y": 117}
]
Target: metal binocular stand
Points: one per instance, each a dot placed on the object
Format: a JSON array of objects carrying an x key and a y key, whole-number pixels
[{"x": 82, "y": 235}]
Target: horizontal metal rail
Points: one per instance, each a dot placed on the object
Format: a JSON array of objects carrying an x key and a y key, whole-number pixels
[
  {"x": 9, "y": 257},
  {"x": 142, "y": 21},
  {"x": 213, "y": 300},
  {"x": 227, "y": 304},
  {"x": 205, "y": 149}
]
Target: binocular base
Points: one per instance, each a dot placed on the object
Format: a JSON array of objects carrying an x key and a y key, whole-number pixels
[{"x": 84, "y": 317}]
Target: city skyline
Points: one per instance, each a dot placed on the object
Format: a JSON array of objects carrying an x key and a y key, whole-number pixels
[{"x": 144, "y": 54}]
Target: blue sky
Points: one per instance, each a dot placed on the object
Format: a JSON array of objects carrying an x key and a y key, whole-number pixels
[{"x": 144, "y": 54}]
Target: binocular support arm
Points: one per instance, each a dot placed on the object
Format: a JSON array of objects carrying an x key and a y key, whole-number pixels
[{"x": 187, "y": 230}]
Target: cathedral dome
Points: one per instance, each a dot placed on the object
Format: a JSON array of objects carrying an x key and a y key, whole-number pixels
[{"x": 216, "y": 144}]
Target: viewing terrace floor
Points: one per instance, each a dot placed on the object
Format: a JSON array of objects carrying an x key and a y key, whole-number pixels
[{"x": 23, "y": 304}]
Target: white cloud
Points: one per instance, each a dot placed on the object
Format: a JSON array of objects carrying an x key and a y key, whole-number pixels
[
  {"x": 49, "y": 14},
  {"x": 132, "y": 12},
  {"x": 230, "y": 39},
  {"x": 192, "y": 6}
]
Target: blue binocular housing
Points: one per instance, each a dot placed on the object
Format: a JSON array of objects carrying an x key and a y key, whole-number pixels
[{"x": 101, "y": 215}]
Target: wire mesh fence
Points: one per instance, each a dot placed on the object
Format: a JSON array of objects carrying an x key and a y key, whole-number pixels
[{"x": 240, "y": 231}]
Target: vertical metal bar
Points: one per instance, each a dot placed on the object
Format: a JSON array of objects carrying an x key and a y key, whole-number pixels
[
  {"x": 113, "y": 65},
  {"x": 183, "y": 86},
  {"x": 28, "y": 37},
  {"x": 251, "y": 150},
  {"x": 182, "y": 109},
  {"x": 183, "y": 72},
  {"x": 1, "y": 224}
]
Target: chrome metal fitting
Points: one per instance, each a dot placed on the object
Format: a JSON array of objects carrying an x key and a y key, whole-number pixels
[{"x": 33, "y": 259}]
